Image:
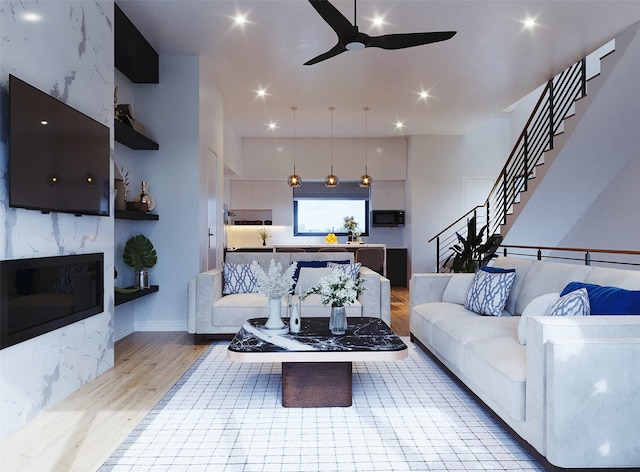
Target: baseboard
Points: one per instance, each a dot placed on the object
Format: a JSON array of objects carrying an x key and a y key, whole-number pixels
[{"x": 160, "y": 326}]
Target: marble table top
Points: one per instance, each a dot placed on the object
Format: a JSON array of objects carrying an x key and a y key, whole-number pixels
[{"x": 366, "y": 339}]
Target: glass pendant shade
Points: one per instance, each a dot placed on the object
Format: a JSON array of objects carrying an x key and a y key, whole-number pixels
[
  {"x": 366, "y": 181},
  {"x": 294, "y": 180},
  {"x": 331, "y": 180}
]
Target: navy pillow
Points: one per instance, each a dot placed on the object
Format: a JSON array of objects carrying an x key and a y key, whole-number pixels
[
  {"x": 302, "y": 264},
  {"x": 608, "y": 300},
  {"x": 496, "y": 270}
]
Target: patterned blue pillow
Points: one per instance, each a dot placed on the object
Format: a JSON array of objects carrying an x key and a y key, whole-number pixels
[
  {"x": 238, "y": 278},
  {"x": 574, "y": 303},
  {"x": 352, "y": 270},
  {"x": 490, "y": 290}
]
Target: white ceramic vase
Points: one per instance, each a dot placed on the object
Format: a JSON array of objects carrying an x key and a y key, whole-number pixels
[
  {"x": 275, "y": 310},
  {"x": 294, "y": 317}
]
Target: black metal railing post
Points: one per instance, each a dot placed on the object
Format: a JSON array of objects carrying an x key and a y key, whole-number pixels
[
  {"x": 587, "y": 258},
  {"x": 526, "y": 162},
  {"x": 583, "y": 81},
  {"x": 539, "y": 255},
  {"x": 505, "y": 192},
  {"x": 438, "y": 254}
]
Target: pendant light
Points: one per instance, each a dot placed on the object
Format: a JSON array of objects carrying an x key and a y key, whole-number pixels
[
  {"x": 294, "y": 179},
  {"x": 331, "y": 180},
  {"x": 365, "y": 180}
]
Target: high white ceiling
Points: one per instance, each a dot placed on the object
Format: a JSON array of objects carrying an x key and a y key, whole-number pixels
[{"x": 488, "y": 65}]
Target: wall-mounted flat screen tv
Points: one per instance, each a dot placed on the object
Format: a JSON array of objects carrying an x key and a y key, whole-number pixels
[{"x": 58, "y": 157}]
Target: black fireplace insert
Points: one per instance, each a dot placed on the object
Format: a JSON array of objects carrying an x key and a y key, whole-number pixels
[{"x": 43, "y": 294}]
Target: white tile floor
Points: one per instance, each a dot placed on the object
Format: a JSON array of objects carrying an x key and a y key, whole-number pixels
[{"x": 406, "y": 415}]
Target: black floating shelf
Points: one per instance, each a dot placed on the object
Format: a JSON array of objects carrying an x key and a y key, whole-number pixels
[
  {"x": 127, "y": 297},
  {"x": 131, "y": 138},
  {"x": 135, "y": 215}
]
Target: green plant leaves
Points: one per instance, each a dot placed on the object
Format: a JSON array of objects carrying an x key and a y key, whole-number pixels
[{"x": 139, "y": 253}]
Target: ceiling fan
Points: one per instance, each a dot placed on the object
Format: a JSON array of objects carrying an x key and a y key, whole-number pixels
[{"x": 351, "y": 39}]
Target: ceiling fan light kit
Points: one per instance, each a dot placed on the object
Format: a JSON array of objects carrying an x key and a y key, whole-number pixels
[
  {"x": 351, "y": 39},
  {"x": 294, "y": 179}
]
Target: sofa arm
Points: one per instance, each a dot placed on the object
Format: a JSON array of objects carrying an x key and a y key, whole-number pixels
[
  {"x": 376, "y": 298},
  {"x": 208, "y": 289},
  {"x": 427, "y": 288},
  {"x": 587, "y": 362}
]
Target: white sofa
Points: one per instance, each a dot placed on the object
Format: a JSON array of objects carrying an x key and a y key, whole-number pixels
[
  {"x": 212, "y": 313},
  {"x": 573, "y": 391}
]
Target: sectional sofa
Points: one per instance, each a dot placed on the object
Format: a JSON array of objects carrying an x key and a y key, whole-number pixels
[
  {"x": 572, "y": 390},
  {"x": 212, "y": 312}
]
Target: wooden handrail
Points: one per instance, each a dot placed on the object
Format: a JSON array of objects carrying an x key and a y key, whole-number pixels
[{"x": 573, "y": 249}]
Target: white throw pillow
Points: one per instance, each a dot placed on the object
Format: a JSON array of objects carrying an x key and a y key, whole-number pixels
[
  {"x": 490, "y": 290},
  {"x": 457, "y": 289},
  {"x": 574, "y": 303},
  {"x": 539, "y": 306},
  {"x": 310, "y": 276},
  {"x": 352, "y": 270},
  {"x": 238, "y": 278}
]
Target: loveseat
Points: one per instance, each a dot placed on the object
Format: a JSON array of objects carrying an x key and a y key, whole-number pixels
[
  {"x": 211, "y": 312},
  {"x": 572, "y": 390}
]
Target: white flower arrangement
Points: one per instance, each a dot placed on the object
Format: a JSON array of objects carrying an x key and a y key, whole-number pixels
[
  {"x": 274, "y": 283},
  {"x": 336, "y": 289}
]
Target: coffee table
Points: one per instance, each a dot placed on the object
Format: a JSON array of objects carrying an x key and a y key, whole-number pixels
[{"x": 317, "y": 365}]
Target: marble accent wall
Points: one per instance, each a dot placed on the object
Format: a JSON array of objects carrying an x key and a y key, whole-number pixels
[{"x": 64, "y": 48}]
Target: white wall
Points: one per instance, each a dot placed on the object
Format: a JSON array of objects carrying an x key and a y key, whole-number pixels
[
  {"x": 69, "y": 54},
  {"x": 439, "y": 166}
]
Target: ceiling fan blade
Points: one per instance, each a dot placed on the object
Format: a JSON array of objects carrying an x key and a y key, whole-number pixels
[
  {"x": 333, "y": 17},
  {"x": 337, "y": 49},
  {"x": 407, "y": 40}
]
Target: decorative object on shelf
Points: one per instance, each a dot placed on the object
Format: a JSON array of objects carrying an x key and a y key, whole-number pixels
[
  {"x": 140, "y": 254},
  {"x": 144, "y": 202},
  {"x": 124, "y": 114},
  {"x": 336, "y": 289},
  {"x": 264, "y": 234},
  {"x": 120, "y": 200},
  {"x": 331, "y": 238},
  {"x": 274, "y": 284},
  {"x": 471, "y": 252},
  {"x": 350, "y": 226},
  {"x": 294, "y": 315},
  {"x": 294, "y": 179},
  {"x": 365, "y": 180},
  {"x": 331, "y": 180}
]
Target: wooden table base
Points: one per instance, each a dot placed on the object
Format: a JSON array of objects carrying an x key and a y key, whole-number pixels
[{"x": 316, "y": 384}]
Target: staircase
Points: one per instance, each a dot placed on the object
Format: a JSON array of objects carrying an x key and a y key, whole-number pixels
[{"x": 559, "y": 110}]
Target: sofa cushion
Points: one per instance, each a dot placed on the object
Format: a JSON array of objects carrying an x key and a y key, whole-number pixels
[
  {"x": 490, "y": 290},
  {"x": 310, "y": 276},
  {"x": 547, "y": 277},
  {"x": 606, "y": 300},
  {"x": 238, "y": 278},
  {"x": 522, "y": 267},
  {"x": 313, "y": 264},
  {"x": 457, "y": 289},
  {"x": 539, "y": 306},
  {"x": 574, "y": 303}
]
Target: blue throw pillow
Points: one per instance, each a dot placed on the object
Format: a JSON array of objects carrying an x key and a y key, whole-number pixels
[
  {"x": 352, "y": 270},
  {"x": 608, "y": 300},
  {"x": 489, "y": 290},
  {"x": 574, "y": 303}
]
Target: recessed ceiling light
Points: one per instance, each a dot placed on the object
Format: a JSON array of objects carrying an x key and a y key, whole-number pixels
[
  {"x": 424, "y": 95},
  {"x": 529, "y": 23},
  {"x": 399, "y": 124},
  {"x": 30, "y": 16},
  {"x": 261, "y": 93},
  {"x": 272, "y": 125},
  {"x": 240, "y": 19},
  {"x": 378, "y": 21}
]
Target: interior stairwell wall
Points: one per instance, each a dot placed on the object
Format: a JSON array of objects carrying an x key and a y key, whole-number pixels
[{"x": 588, "y": 197}]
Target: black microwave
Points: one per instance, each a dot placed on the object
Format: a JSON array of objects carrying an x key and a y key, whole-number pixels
[{"x": 387, "y": 218}]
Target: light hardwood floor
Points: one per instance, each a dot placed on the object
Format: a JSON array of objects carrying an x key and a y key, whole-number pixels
[{"x": 80, "y": 432}]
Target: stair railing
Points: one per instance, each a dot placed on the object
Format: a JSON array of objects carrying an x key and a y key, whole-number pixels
[{"x": 553, "y": 106}]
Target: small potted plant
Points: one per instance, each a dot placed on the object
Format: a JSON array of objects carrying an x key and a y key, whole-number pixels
[
  {"x": 264, "y": 234},
  {"x": 140, "y": 254}
]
